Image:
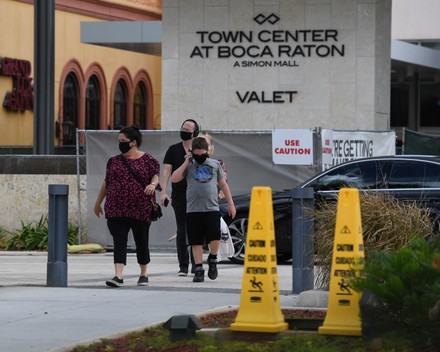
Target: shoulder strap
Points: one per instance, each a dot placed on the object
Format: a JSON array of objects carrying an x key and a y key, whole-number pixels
[{"x": 131, "y": 170}]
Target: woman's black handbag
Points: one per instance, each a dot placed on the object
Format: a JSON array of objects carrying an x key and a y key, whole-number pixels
[{"x": 156, "y": 210}]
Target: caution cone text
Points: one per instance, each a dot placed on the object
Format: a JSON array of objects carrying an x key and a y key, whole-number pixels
[
  {"x": 260, "y": 309},
  {"x": 343, "y": 313}
]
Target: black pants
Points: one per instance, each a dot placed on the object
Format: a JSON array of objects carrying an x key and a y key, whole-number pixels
[
  {"x": 179, "y": 206},
  {"x": 119, "y": 228},
  {"x": 203, "y": 227}
]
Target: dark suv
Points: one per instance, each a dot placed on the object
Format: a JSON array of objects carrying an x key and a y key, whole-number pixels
[{"x": 407, "y": 178}]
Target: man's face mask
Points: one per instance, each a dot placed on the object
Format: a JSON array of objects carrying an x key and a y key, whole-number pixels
[
  {"x": 200, "y": 158},
  {"x": 124, "y": 147},
  {"x": 185, "y": 135}
]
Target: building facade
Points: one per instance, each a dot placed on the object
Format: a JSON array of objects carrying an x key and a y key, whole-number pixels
[
  {"x": 415, "y": 61},
  {"x": 230, "y": 64},
  {"x": 249, "y": 64},
  {"x": 96, "y": 87},
  {"x": 277, "y": 64}
]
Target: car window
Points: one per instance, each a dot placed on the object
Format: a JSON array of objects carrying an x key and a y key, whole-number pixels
[
  {"x": 432, "y": 176},
  {"x": 414, "y": 174},
  {"x": 406, "y": 174},
  {"x": 357, "y": 175}
]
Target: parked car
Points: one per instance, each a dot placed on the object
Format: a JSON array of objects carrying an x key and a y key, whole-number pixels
[{"x": 407, "y": 178}]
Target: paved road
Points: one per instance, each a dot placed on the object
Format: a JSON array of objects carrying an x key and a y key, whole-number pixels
[{"x": 35, "y": 317}]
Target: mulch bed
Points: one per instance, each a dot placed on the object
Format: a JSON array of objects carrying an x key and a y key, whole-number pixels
[{"x": 225, "y": 318}]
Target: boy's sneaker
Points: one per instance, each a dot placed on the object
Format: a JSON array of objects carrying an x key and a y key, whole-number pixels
[
  {"x": 143, "y": 281},
  {"x": 212, "y": 268},
  {"x": 115, "y": 282},
  {"x": 199, "y": 275}
]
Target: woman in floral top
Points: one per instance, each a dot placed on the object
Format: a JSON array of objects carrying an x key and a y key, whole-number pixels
[{"x": 128, "y": 201}]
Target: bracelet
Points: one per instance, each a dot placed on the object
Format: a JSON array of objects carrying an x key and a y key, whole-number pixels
[{"x": 152, "y": 183}]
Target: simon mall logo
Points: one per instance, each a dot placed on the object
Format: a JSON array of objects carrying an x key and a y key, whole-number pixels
[{"x": 261, "y": 19}]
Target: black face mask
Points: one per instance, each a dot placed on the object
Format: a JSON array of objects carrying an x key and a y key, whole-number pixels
[
  {"x": 186, "y": 136},
  {"x": 200, "y": 158},
  {"x": 124, "y": 147}
]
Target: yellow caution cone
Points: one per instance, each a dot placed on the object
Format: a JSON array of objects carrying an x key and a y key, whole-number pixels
[
  {"x": 343, "y": 313},
  {"x": 260, "y": 309}
]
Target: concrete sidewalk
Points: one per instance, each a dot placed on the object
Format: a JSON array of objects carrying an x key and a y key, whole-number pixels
[{"x": 34, "y": 317}]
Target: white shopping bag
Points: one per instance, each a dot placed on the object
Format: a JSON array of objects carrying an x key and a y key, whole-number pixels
[{"x": 226, "y": 248}]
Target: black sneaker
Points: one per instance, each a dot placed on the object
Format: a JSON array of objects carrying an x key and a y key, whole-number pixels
[
  {"x": 182, "y": 272},
  {"x": 212, "y": 269},
  {"x": 199, "y": 275},
  {"x": 115, "y": 282},
  {"x": 143, "y": 281}
]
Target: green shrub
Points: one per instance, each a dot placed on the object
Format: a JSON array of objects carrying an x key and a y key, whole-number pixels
[
  {"x": 407, "y": 283},
  {"x": 34, "y": 236}
]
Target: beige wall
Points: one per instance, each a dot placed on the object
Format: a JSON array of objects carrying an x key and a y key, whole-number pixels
[
  {"x": 415, "y": 20},
  {"x": 26, "y": 198},
  {"x": 16, "y": 41}
]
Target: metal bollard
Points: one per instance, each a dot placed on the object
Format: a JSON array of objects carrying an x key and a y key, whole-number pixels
[
  {"x": 302, "y": 240},
  {"x": 57, "y": 241}
]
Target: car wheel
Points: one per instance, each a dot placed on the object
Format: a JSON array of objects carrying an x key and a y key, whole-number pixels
[{"x": 238, "y": 229}]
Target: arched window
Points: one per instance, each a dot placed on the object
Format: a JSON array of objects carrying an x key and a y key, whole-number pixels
[
  {"x": 120, "y": 105},
  {"x": 140, "y": 106},
  {"x": 143, "y": 99},
  {"x": 93, "y": 110},
  {"x": 70, "y": 109}
]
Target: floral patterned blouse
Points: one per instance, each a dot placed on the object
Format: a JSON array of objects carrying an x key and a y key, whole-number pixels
[{"x": 124, "y": 196}]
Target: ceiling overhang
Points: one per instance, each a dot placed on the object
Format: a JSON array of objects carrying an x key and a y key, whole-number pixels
[
  {"x": 138, "y": 36},
  {"x": 408, "y": 59}
]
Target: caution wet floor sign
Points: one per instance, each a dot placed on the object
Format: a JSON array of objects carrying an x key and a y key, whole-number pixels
[
  {"x": 343, "y": 313},
  {"x": 260, "y": 309}
]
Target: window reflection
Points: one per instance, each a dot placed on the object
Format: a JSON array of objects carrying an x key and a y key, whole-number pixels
[
  {"x": 70, "y": 109},
  {"x": 93, "y": 98},
  {"x": 120, "y": 105},
  {"x": 140, "y": 106},
  {"x": 356, "y": 175}
]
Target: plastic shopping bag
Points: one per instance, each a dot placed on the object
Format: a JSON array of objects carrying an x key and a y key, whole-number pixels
[{"x": 226, "y": 248}]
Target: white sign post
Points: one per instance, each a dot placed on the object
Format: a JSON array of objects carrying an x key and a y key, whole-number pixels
[{"x": 327, "y": 147}]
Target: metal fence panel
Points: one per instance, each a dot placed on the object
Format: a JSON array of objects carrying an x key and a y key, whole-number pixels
[{"x": 247, "y": 155}]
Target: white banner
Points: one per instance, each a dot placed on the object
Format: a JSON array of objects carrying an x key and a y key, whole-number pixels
[
  {"x": 292, "y": 147},
  {"x": 349, "y": 145}
]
